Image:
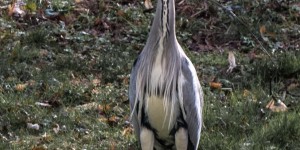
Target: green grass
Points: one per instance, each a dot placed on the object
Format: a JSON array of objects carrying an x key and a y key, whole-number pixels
[{"x": 85, "y": 66}]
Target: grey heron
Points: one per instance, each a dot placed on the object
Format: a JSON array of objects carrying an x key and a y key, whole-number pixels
[{"x": 166, "y": 98}]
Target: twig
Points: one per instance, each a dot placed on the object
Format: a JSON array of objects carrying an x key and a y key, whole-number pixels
[
  {"x": 197, "y": 13},
  {"x": 292, "y": 94}
]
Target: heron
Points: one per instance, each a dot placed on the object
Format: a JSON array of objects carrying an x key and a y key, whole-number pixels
[{"x": 166, "y": 98}]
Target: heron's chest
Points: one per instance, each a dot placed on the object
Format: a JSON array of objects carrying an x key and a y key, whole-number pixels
[{"x": 162, "y": 115}]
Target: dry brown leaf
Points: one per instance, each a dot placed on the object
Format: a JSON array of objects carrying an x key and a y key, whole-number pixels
[
  {"x": 215, "y": 85},
  {"x": 43, "y": 53},
  {"x": 148, "y": 4},
  {"x": 20, "y": 87},
  {"x": 102, "y": 118},
  {"x": 262, "y": 29},
  {"x": 95, "y": 91},
  {"x": 270, "y": 103},
  {"x": 75, "y": 81},
  {"x": 46, "y": 137},
  {"x": 112, "y": 145},
  {"x": 246, "y": 93},
  {"x": 127, "y": 131},
  {"x": 14, "y": 9},
  {"x": 87, "y": 106},
  {"x": 276, "y": 107},
  {"x": 231, "y": 61},
  {"x": 41, "y": 147},
  {"x": 78, "y": 1},
  {"x": 31, "y": 83},
  {"x": 126, "y": 80},
  {"x": 103, "y": 109},
  {"x": 293, "y": 86},
  {"x": 113, "y": 119},
  {"x": 10, "y": 9},
  {"x": 96, "y": 82},
  {"x": 121, "y": 13},
  {"x": 264, "y": 33}
]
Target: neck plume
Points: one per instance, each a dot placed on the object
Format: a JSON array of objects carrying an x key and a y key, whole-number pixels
[{"x": 164, "y": 20}]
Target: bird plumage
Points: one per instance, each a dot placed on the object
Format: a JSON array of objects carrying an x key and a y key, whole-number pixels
[{"x": 165, "y": 95}]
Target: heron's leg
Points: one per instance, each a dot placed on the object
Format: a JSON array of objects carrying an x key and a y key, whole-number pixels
[
  {"x": 147, "y": 139},
  {"x": 181, "y": 139}
]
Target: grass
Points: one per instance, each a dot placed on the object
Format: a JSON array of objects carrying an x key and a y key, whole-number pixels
[{"x": 82, "y": 72}]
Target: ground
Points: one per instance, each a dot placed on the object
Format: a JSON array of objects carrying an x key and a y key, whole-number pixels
[{"x": 65, "y": 68}]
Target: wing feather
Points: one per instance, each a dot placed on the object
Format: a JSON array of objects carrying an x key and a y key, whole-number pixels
[
  {"x": 132, "y": 98},
  {"x": 192, "y": 101}
]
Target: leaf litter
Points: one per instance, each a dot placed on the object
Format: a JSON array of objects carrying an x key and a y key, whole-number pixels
[{"x": 89, "y": 81}]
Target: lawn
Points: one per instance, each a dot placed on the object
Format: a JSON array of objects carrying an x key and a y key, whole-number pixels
[{"x": 65, "y": 68}]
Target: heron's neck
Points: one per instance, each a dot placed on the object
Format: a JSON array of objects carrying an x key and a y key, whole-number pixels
[{"x": 164, "y": 21}]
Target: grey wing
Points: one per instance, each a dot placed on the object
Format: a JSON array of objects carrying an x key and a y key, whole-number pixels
[
  {"x": 132, "y": 98},
  {"x": 192, "y": 101}
]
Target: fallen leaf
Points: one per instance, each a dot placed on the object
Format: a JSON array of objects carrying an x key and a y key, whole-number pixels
[
  {"x": 276, "y": 106},
  {"x": 14, "y": 9},
  {"x": 104, "y": 109},
  {"x": 231, "y": 61},
  {"x": 102, "y": 118},
  {"x": 87, "y": 106},
  {"x": 246, "y": 93},
  {"x": 46, "y": 138},
  {"x": 293, "y": 86},
  {"x": 43, "y": 53},
  {"x": 96, "y": 82},
  {"x": 121, "y": 13},
  {"x": 33, "y": 126},
  {"x": 148, "y": 4},
  {"x": 125, "y": 80},
  {"x": 20, "y": 87},
  {"x": 265, "y": 34},
  {"x": 31, "y": 83},
  {"x": 42, "y": 104},
  {"x": 127, "y": 131},
  {"x": 10, "y": 9},
  {"x": 215, "y": 85},
  {"x": 78, "y": 1},
  {"x": 113, "y": 145},
  {"x": 113, "y": 119},
  {"x": 40, "y": 147},
  {"x": 105, "y": 25},
  {"x": 95, "y": 91},
  {"x": 262, "y": 29},
  {"x": 56, "y": 129}
]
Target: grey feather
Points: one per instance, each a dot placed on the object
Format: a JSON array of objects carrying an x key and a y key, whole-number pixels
[
  {"x": 176, "y": 79},
  {"x": 192, "y": 101},
  {"x": 132, "y": 97}
]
